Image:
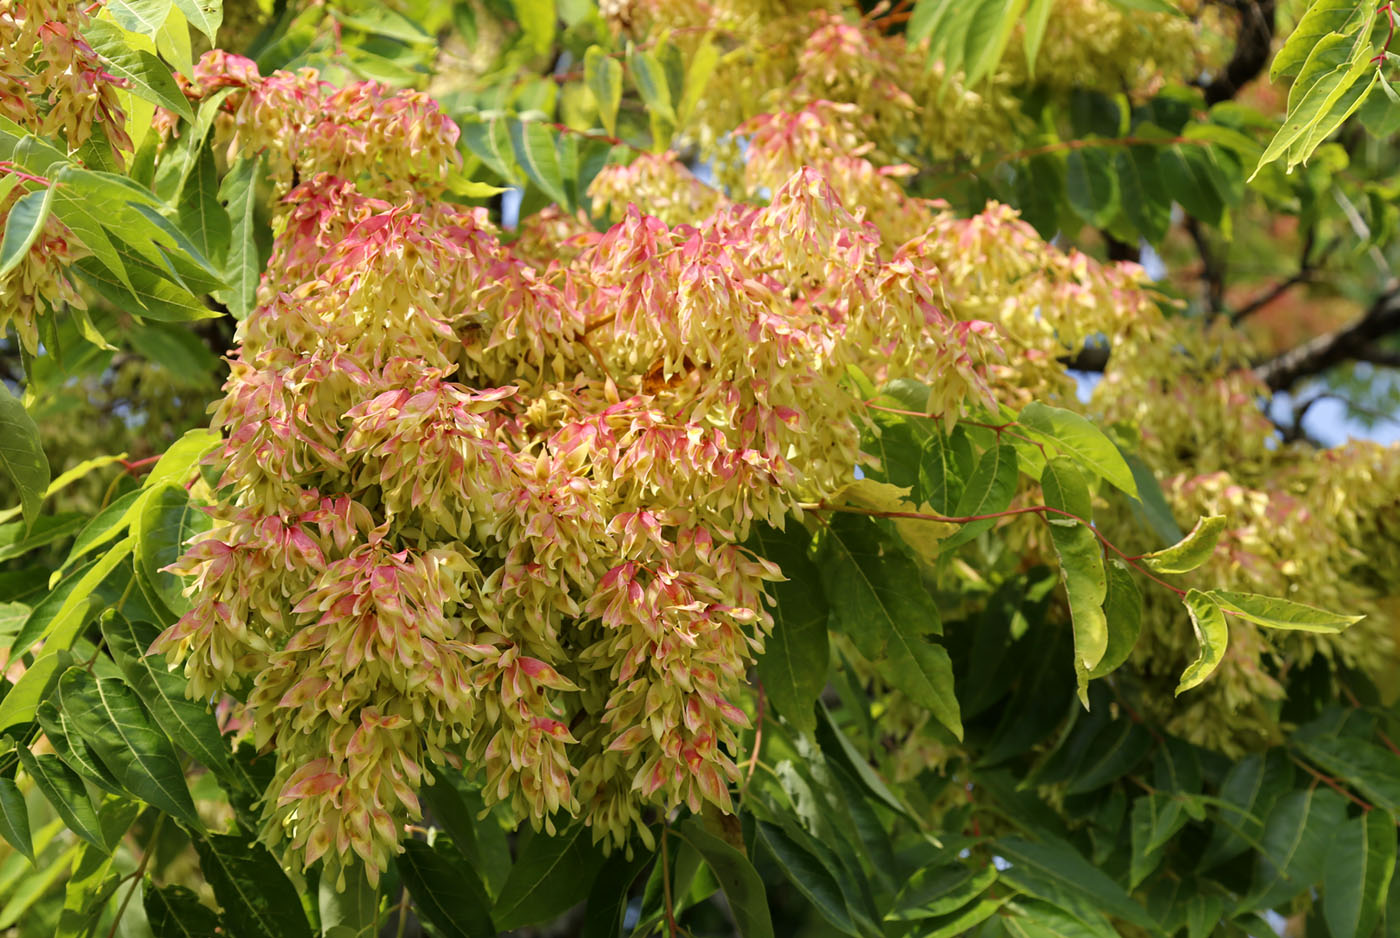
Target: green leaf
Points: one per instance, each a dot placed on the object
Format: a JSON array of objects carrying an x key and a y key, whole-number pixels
[
  {"x": 1188, "y": 176},
  {"x": 962, "y": 921},
  {"x": 1091, "y": 185},
  {"x": 200, "y": 212},
  {"x": 1081, "y": 559},
  {"x": 243, "y": 266},
  {"x": 1357, "y": 873},
  {"x": 489, "y": 141},
  {"x": 650, "y": 79},
  {"x": 551, "y": 875},
  {"x": 180, "y": 462},
  {"x": 1322, "y": 18},
  {"x": 1077, "y": 438},
  {"x": 71, "y": 748},
  {"x": 176, "y": 912},
  {"x": 989, "y": 490},
  {"x": 14, "y": 818},
  {"x": 740, "y": 881},
  {"x": 21, "y": 455},
  {"x": 257, "y": 899},
  {"x": 1115, "y": 751},
  {"x": 807, "y": 874},
  {"x": 76, "y": 609},
  {"x": 446, "y": 891},
  {"x": 1212, "y": 634},
  {"x": 107, "y": 524},
  {"x": 939, "y": 890},
  {"x": 25, "y": 223},
  {"x": 146, "y": 76},
  {"x": 537, "y": 24},
  {"x": 603, "y": 75},
  {"x": 189, "y": 723},
  {"x": 1373, "y": 770},
  {"x": 879, "y": 600},
  {"x": 1145, "y": 202},
  {"x": 65, "y": 792},
  {"x": 204, "y": 15},
  {"x": 16, "y": 541},
  {"x": 1151, "y": 505},
  {"x": 1247, "y": 795},
  {"x": 836, "y": 747},
  {"x": 608, "y": 900},
  {"x": 348, "y": 905},
  {"x": 456, "y": 808},
  {"x": 1157, "y": 816},
  {"x": 986, "y": 41},
  {"x": 22, "y": 701},
  {"x": 12, "y": 616},
  {"x": 1191, "y": 551},
  {"x": 534, "y": 148},
  {"x": 1281, "y": 613},
  {"x": 796, "y": 655},
  {"x": 110, "y": 717},
  {"x": 163, "y": 529},
  {"x": 1059, "y": 874},
  {"x": 1037, "y": 18},
  {"x": 1293, "y": 848},
  {"x": 1326, "y": 75},
  {"x": 1123, "y": 615},
  {"x": 1035, "y": 919},
  {"x": 140, "y": 16}
]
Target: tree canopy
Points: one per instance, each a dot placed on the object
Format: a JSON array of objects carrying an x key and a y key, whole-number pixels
[{"x": 753, "y": 467}]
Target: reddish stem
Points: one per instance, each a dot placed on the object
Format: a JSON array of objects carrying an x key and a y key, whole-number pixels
[{"x": 140, "y": 465}]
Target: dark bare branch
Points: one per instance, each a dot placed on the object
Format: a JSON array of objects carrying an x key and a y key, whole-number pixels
[{"x": 1349, "y": 343}]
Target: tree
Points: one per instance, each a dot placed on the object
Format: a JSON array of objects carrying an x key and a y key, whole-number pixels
[{"x": 697, "y": 469}]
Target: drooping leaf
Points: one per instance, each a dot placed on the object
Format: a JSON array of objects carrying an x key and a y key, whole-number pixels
[
  {"x": 989, "y": 490},
  {"x": 1212, "y": 635},
  {"x": 1323, "y": 17},
  {"x": 1357, "y": 873},
  {"x": 21, "y": 455},
  {"x": 537, "y": 155},
  {"x": 201, "y": 214},
  {"x": 1372, "y": 769},
  {"x": 1123, "y": 614},
  {"x": 1059, "y": 874},
  {"x": 1076, "y": 437},
  {"x": 1277, "y": 613},
  {"x": 446, "y": 891},
  {"x": 1092, "y": 185},
  {"x": 1081, "y": 558},
  {"x": 105, "y": 525},
  {"x": 808, "y": 876},
  {"x": 176, "y": 912},
  {"x": 79, "y": 592},
  {"x": 603, "y": 74},
  {"x": 23, "y": 225},
  {"x": 14, "y": 818},
  {"x": 939, "y": 890},
  {"x": 740, "y": 881},
  {"x": 17, "y": 538},
  {"x": 257, "y": 899},
  {"x": 243, "y": 265},
  {"x": 1191, "y": 551},
  {"x": 796, "y": 655},
  {"x": 1248, "y": 794},
  {"x": 1157, "y": 816},
  {"x": 163, "y": 529},
  {"x": 110, "y": 718},
  {"x": 1326, "y": 75},
  {"x": 607, "y": 903},
  {"x": 879, "y": 601},
  {"x": 189, "y": 723},
  {"x": 65, "y": 792},
  {"x": 1293, "y": 847},
  {"x": 551, "y": 875}
]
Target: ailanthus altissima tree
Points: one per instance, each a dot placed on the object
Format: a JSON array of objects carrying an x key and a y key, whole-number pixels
[{"x": 735, "y": 468}]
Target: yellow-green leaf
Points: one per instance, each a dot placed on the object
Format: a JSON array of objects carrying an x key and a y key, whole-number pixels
[
  {"x": 1211, "y": 632},
  {"x": 1191, "y": 551},
  {"x": 1281, "y": 613}
]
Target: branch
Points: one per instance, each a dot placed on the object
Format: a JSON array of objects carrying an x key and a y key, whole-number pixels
[
  {"x": 1252, "y": 48},
  {"x": 1349, "y": 343}
]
